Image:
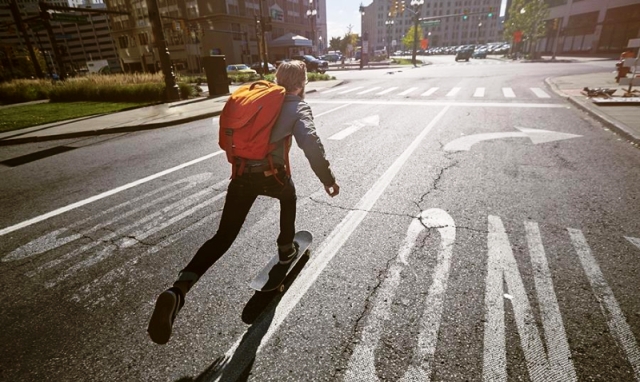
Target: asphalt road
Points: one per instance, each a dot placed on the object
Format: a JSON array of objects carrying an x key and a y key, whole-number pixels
[{"x": 486, "y": 230}]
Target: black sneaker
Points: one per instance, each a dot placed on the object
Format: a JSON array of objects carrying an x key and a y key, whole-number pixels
[
  {"x": 286, "y": 258},
  {"x": 168, "y": 304}
]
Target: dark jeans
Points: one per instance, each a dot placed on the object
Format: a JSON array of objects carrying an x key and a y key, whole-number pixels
[{"x": 242, "y": 192}]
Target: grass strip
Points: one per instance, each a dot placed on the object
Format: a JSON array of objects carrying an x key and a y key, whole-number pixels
[{"x": 19, "y": 117}]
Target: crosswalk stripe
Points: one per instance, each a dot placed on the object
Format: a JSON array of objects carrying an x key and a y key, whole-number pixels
[
  {"x": 508, "y": 92},
  {"x": 407, "y": 91},
  {"x": 479, "y": 92},
  {"x": 351, "y": 90},
  {"x": 429, "y": 92},
  {"x": 387, "y": 91},
  {"x": 333, "y": 90},
  {"x": 369, "y": 90},
  {"x": 453, "y": 92},
  {"x": 540, "y": 93}
]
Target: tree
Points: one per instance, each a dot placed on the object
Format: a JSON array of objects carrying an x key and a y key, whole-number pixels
[
  {"x": 335, "y": 43},
  {"x": 348, "y": 39},
  {"x": 407, "y": 40},
  {"x": 529, "y": 17}
]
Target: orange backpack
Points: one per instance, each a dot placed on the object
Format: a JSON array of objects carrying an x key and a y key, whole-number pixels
[{"x": 246, "y": 122}]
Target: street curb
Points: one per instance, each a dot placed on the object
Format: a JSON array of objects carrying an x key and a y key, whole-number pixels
[
  {"x": 611, "y": 123},
  {"x": 116, "y": 130}
]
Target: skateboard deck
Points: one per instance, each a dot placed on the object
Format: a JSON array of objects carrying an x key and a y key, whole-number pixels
[{"x": 272, "y": 276}]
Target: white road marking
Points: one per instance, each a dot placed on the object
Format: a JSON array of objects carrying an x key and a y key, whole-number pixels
[
  {"x": 508, "y": 93},
  {"x": 410, "y": 90},
  {"x": 479, "y": 92},
  {"x": 540, "y": 93},
  {"x": 334, "y": 89},
  {"x": 453, "y": 92},
  {"x": 536, "y": 136},
  {"x": 369, "y": 90},
  {"x": 243, "y": 351},
  {"x": 633, "y": 240},
  {"x": 103, "y": 195},
  {"x": 387, "y": 102},
  {"x": 608, "y": 304},
  {"x": 351, "y": 90},
  {"x": 362, "y": 363},
  {"x": 373, "y": 120},
  {"x": 502, "y": 266},
  {"x": 387, "y": 91},
  {"x": 429, "y": 92}
]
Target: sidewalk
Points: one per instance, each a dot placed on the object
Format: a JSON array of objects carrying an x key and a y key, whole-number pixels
[{"x": 625, "y": 120}]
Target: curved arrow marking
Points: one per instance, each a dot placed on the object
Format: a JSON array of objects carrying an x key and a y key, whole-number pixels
[{"x": 536, "y": 136}]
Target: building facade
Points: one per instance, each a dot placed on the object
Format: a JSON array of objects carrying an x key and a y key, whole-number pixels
[
  {"x": 386, "y": 22},
  {"x": 591, "y": 26},
  {"x": 78, "y": 42}
]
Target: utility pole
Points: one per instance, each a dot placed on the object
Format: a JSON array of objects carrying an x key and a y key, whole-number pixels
[
  {"x": 264, "y": 26},
  {"x": 172, "y": 92},
  {"x": 17, "y": 18}
]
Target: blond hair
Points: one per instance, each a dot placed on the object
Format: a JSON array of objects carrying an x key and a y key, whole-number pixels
[{"x": 291, "y": 75}]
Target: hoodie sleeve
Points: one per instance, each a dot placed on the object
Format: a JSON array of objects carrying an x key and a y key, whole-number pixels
[{"x": 305, "y": 134}]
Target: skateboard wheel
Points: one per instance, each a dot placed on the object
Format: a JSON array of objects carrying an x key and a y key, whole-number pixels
[{"x": 281, "y": 288}]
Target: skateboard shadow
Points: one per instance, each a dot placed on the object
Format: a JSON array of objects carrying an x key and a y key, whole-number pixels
[{"x": 261, "y": 300}]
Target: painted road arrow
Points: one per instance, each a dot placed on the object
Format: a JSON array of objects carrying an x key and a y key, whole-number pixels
[
  {"x": 536, "y": 136},
  {"x": 354, "y": 126}
]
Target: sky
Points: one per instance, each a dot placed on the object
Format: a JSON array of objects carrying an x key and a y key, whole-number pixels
[{"x": 342, "y": 13}]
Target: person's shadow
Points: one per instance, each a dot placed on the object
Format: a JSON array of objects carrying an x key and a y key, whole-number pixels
[{"x": 259, "y": 311}]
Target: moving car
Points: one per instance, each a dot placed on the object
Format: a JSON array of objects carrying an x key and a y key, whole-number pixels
[
  {"x": 237, "y": 69},
  {"x": 313, "y": 64},
  {"x": 464, "y": 54}
]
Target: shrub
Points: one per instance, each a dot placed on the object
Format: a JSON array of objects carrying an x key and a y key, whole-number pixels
[{"x": 17, "y": 91}]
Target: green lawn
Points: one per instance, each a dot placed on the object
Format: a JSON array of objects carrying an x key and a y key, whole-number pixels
[{"x": 19, "y": 117}]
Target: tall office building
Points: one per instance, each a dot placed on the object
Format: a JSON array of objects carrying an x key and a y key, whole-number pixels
[{"x": 78, "y": 42}]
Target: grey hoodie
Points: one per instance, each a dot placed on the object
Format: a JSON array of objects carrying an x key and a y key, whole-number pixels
[{"x": 296, "y": 119}]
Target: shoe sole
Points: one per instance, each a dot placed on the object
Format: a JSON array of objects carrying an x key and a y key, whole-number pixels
[{"x": 162, "y": 318}]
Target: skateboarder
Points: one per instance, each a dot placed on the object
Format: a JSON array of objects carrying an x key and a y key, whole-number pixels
[{"x": 257, "y": 179}]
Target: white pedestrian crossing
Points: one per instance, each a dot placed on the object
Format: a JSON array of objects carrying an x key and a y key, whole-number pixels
[{"x": 479, "y": 92}]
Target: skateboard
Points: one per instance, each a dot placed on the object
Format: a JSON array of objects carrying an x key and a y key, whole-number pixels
[{"x": 272, "y": 276}]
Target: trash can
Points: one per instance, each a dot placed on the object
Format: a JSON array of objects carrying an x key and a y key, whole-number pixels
[{"x": 215, "y": 67}]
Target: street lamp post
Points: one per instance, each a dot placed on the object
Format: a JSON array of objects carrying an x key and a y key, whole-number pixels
[
  {"x": 311, "y": 15},
  {"x": 416, "y": 5},
  {"x": 361, "y": 36}
]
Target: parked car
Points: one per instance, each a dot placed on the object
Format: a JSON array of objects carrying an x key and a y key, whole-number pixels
[
  {"x": 332, "y": 57},
  {"x": 480, "y": 53},
  {"x": 313, "y": 64},
  {"x": 259, "y": 67},
  {"x": 464, "y": 54},
  {"x": 237, "y": 69}
]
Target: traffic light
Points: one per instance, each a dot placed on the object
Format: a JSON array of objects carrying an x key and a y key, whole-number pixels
[
  {"x": 402, "y": 6},
  {"x": 465, "y": 14},
  {"x": 490, "y": 14},
  {"x": 555, "y": 24}
]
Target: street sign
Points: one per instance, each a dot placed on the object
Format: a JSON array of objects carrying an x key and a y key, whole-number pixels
[
  {"x": 430, "y": 23},
  {"x": 69, "y": 17},
  {"x": 517, "y": 36}
]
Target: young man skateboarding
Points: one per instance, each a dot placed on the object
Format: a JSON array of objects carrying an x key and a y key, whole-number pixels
[{"x": 257, "y": 178}]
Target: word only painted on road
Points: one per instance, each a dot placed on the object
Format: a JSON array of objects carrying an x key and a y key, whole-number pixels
[{"x": 554, "y": 364}]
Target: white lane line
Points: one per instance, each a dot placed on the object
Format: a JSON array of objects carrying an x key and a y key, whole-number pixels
[
  {"x": 633, "y": 240},
  {"x": 351, "y": 90},
  {"x": 540, "y": 93},
  {"x": 479, "y": 92},
  {"x": 244, "y": 350},
  {"x": 334, "y": 89},
  {"x": 387, "y": 91},
  {"x": 508, "y": 93},
  {"x": 429, "y": 92},
  {"x": 560, "y": 364},
  {"x": 332, "y": 110},
  {"x": 453, "y": 92},
  {"x": 410, "y": 90},
  {"x": 387, "y": 102},
  {"x": 369, "y": 90},
  {"x": 103, "y": 195},
  {"x": 608, "y": 304}
]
